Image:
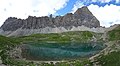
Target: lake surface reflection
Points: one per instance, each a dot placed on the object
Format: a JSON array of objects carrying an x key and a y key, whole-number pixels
[{"x": 60, "y": 51}]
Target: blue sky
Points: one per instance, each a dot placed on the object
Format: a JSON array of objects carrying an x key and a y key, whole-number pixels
[
  {"x": 107, "y": 11},
  {"x": 67, "y": 8},
  {"x": 71, "y": 3}
]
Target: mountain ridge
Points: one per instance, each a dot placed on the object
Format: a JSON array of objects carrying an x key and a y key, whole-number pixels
[{"x": 82, "y": 17}]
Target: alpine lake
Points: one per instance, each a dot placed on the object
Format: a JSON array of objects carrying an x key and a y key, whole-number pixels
[{"x": 60, "y": 51}]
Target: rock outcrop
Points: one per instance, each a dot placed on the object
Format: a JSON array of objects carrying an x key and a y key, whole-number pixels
[{"x": 81, "y": 17}]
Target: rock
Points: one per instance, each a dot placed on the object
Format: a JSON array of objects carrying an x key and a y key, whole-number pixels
[
  {"x": 81, "y": 17},
  {"x": 86, "y": 18},
  {"x": 0, "y": 61},
  {"x": 16, "y": 53},
  {"x": 12, "y": 24}
]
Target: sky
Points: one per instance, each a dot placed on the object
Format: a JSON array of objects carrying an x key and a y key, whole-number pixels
[{"x": 106, "y": 11}]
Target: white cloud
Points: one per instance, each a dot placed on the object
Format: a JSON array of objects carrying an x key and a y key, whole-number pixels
[
  {"x": 117, "y": 1},
  {"x": 104, "y": 1},
  {"x": 23, "y": 8},
  {"x": 106, "y": 14},
  {"x": 94, "y": 0},
  {"x": 77, "y": 5}
]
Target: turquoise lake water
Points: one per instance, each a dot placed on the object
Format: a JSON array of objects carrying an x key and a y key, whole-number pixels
[{"x": 57, "y": 51}]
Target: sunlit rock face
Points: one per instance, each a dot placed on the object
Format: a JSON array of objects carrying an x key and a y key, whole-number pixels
[{"x": 82, "y": 17}]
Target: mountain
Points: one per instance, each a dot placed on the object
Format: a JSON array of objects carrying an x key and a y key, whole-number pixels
[
  {"x": 83, "y": 27},
  {"x": 19, "y": 27}
]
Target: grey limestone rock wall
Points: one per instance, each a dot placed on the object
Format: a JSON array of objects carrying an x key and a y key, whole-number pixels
[{"x": 81, "y": 17}]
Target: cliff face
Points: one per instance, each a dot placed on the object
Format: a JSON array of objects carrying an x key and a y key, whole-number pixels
[{"x": 81, "y": 17}]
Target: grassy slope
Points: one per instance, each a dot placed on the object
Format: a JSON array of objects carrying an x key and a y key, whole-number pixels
[
  {"x": 113, "y": 57},
  {"x": 114, "y": 34},
  {"x": 6, "y": 43},
  {"x": 110, "y": 56},
  {"x": 77, "y": 36}
]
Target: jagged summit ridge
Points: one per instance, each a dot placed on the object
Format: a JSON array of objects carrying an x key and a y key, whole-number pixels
[
  {"x": 82, "y": 10},
  {"x": 81, "y": 17}
]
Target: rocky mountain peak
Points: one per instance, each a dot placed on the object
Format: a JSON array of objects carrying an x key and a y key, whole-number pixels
[
  {"x": 81, "y": 17},
  {"x": 82, "y": 10}
]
